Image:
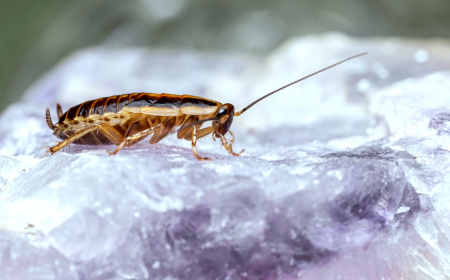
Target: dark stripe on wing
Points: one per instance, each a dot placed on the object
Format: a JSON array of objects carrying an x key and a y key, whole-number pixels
[
  {"x": 189, "y": 100},
  {"x": 139, "y": 100}
]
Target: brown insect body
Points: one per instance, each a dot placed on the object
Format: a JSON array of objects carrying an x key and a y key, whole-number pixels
[
  {"x": 112, "y": 120},
  {"x": 122, "y": 111},
  {"x": 126, "y": 119}
]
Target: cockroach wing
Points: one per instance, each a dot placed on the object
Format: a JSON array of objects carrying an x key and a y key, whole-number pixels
[
  {"x": 193, "y": 105},
  {"x": 170, "y": 104},
  {"x": 156, "y": 104},
  {"x": 158, "y": 111}
]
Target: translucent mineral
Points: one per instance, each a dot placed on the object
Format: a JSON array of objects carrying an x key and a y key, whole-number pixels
[{"x": 345, "y": 175}]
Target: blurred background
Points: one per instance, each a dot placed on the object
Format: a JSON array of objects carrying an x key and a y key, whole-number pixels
[{"x": 35, "y": 35}]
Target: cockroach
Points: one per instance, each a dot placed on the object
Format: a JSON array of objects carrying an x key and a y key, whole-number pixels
[{"x": 126, "y": 119}]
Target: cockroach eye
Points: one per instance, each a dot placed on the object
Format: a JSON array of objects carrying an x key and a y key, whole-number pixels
[{"x": 222, "y": 112}]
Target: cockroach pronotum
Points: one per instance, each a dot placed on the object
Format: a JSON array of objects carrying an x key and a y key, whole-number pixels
[{"x": 126, "y": 119}]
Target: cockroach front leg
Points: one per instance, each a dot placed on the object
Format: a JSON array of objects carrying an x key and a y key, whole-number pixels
[
  {"x": 110, "y": 132},
  {"x": 229, "y": 147},
  {"x": 194, "y": 146},
  {"x": 232, "y": 140}
]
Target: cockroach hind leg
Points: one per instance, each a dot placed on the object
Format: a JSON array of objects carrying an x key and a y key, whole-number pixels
[
  {"x": 118, "y": 148},
  {"x": 48, "y": 151}
]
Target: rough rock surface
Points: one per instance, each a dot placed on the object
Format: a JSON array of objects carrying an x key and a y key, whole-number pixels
[{"x": 345, "y": 175}]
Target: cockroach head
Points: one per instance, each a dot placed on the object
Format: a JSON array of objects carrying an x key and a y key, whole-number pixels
[{"x": 223, "y": 119}]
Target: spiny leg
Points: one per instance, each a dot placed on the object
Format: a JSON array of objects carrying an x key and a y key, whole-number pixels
[
  {"x": 194, "y": 145},
  {"x": 110, "y": 132},
  {"x": 134, "y": 137},
  {"x": 129, "y": 128},
  {"x": 166, "y": 127},
  {"x": 229, "y": 147},
  {"x": 232, "y": 134},
  {"x": 124, "y": 139},
  {"x": 232, "y": 142},
  {"x": 119, "y": 147}
]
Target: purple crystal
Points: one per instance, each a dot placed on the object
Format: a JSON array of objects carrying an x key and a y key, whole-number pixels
[{"x": 345, "y": 175}]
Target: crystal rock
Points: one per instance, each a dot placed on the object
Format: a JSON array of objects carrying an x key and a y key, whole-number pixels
[{"x": 345, "y": 175}]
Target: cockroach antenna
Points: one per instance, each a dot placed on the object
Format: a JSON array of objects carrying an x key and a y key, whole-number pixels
[
  {"x": 294, "y": 82},
  {"x": 281, "y": 88}
]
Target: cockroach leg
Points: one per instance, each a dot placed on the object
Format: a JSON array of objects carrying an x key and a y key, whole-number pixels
[
  {"x": 229, "y": 147},
  {"x": 205, "y": 131},
  {"x": 165, "y": 129},
  {"x": 134, "y": 137},
  {"x": 194, "y": 146},
  {"x": 111, "y": 133},
  {"x": 129, "y": 128},
  {"x": 232, "y": 134},
  {"x": 118, "y": 148},
  {"x": 143, "y": 133},
  {"x": 47, "y": 148},
  {"x": 92, "y": 133}
]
